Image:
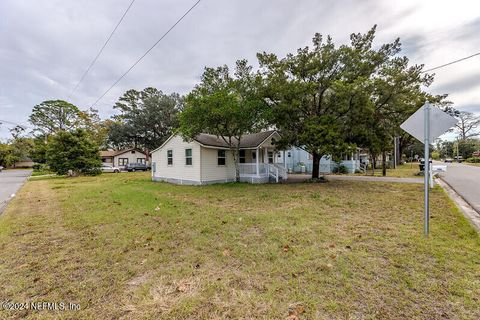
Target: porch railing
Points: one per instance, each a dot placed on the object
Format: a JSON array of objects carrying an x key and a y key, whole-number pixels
[
  {"x": 275, "y": 170},
  {"x": 251, "y": 169},
  {"x": 282, "y": 171}
]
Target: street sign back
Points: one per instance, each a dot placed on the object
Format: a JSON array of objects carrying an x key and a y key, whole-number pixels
[{"x": 439, "y": 123}]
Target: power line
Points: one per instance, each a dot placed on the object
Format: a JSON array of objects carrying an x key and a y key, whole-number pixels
[
  {"x": 450, "y": 63},
  {"x": 13, "y": 123},
  {"x": 101, "y": 49},
  {"x": 146, "y": 53}
]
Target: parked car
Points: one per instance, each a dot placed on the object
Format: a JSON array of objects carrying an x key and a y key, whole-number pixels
[
  {"x": 458, "y": 158},
  {"x": 109, "y": 168},
  {"x": 136, "y": 167},
  {"x": 1, "y": 168},
  {"x": 448, "y": 160}
]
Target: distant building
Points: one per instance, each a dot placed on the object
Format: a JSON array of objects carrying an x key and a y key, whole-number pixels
[
  {"x": 121, "y": 158},
  {"x": 25, "y": 162}
]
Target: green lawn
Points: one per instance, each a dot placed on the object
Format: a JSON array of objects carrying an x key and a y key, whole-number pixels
[
  {"x": 124, "y": 247},
  {"x": 476, "y": 164},
  {"x": 407, "y": 170}
]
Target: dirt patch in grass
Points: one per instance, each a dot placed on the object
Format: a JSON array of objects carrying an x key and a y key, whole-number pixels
[{"x": 124, "y": 247}]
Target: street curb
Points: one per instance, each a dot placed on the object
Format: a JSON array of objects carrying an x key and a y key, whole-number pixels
[
  {"x": 3, "y": 204},
  {"x": 468, "y": 211}
]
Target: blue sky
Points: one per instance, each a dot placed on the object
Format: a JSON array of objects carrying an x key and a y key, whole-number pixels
[{"x": 47, "y": 45}]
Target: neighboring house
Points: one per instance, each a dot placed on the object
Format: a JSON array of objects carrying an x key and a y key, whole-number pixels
[
  {"x": 300, "y": 161},
  {"x": 207, "y": 159},
  {"x": 23, "y": 163},
  {"x": 121, "y": 158}
]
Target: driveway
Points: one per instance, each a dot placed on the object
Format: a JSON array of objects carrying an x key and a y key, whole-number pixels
[
  {"x": 465, "y": 180},
  {"x": 10, "y": 182}
]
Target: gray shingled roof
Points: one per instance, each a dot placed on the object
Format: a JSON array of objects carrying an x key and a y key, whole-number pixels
[
  {"x": 113, "y": 153},
  {"x": 248, "y": 141}
]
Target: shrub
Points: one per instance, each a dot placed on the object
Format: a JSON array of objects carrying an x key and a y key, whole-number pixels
[
  {"x": 341, "y": 169},
  {"x": 474, "y": 160},
  {"x": 321, "y": 179},
  {"x": 73, "y": 152}
]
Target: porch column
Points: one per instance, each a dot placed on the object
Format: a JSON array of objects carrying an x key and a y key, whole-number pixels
[{"x": 257, "y": 155}]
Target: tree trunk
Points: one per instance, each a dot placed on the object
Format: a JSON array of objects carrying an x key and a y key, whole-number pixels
[
  {"x": 374, "y": 162},
  {"x": 236, "y": 153},
  {"x": 384, "y": 163},
  {"x": 316, "y": 165}
]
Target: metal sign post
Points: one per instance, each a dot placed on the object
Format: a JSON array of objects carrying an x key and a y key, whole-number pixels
[
  {"x": 427, "y": 124},
  {"x": 426, "y": 170}
]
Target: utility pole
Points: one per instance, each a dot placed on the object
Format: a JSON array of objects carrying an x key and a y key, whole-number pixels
[{"x": 457, "y": 148}]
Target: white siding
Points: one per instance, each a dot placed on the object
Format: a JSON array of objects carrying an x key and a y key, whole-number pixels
[
  {"x": 178, "y": 170},
  {"x": 211, "y": 171}
]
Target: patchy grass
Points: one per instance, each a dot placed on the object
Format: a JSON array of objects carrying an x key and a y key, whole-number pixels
[
  {"x": 407, "y": 170},
  {"x": 126, "y": 248}
]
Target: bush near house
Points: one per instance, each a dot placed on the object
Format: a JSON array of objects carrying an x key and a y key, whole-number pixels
[
  {"x": 340, "y": 169},
  {"x": 474, "y": 160}
]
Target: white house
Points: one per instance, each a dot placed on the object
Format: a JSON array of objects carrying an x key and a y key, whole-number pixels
[
  {"x": 121, "y": 158},
  {"x": 300, "y": 161},
  {"x": 207, "y": 159}
]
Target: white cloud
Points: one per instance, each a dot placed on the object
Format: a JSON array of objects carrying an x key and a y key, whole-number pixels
[{"x": 46, "y": 45}]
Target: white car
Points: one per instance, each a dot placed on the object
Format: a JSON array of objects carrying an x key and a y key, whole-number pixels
[{"x": 108, "y": 168}]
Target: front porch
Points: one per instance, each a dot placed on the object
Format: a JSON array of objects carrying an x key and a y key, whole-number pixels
[{"x": 262, "y": 165}]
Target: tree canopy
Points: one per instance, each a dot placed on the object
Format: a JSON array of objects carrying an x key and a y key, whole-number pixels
[
  {"x": 52, "y": 116},
  {"x": 468, "y": 125},
  {"x": 327, "y": 99},
  {"x": 228, "y": 106},
  {"x": 146, "y": 118},
  {"x": 73, "y": 151}
]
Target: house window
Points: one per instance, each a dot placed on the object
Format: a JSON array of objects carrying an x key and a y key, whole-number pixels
[
  {"x": 221, "y": 158},
  {"x": 133, "y": 151},
  {"x": 242, "y": 156},
  {"x": 122, "y": 161},
  {"x": 289, "y": 154},
  {"x": 188, "y": 157},
  {"x": 270, "y": 156},
  {"x": 141, "y": 160},
  {"x": 254, "y": 155},
  {"x": 169, "y": 157},
  {"x": 154, "y": 167}
]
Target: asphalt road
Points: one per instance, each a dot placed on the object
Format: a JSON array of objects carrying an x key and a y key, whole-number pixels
[
  {"x": 465, "y": 180},
  {"x": 10, "y": 182}
]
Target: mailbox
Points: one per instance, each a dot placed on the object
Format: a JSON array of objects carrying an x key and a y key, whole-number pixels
[{"x": 439, "y": 168}]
